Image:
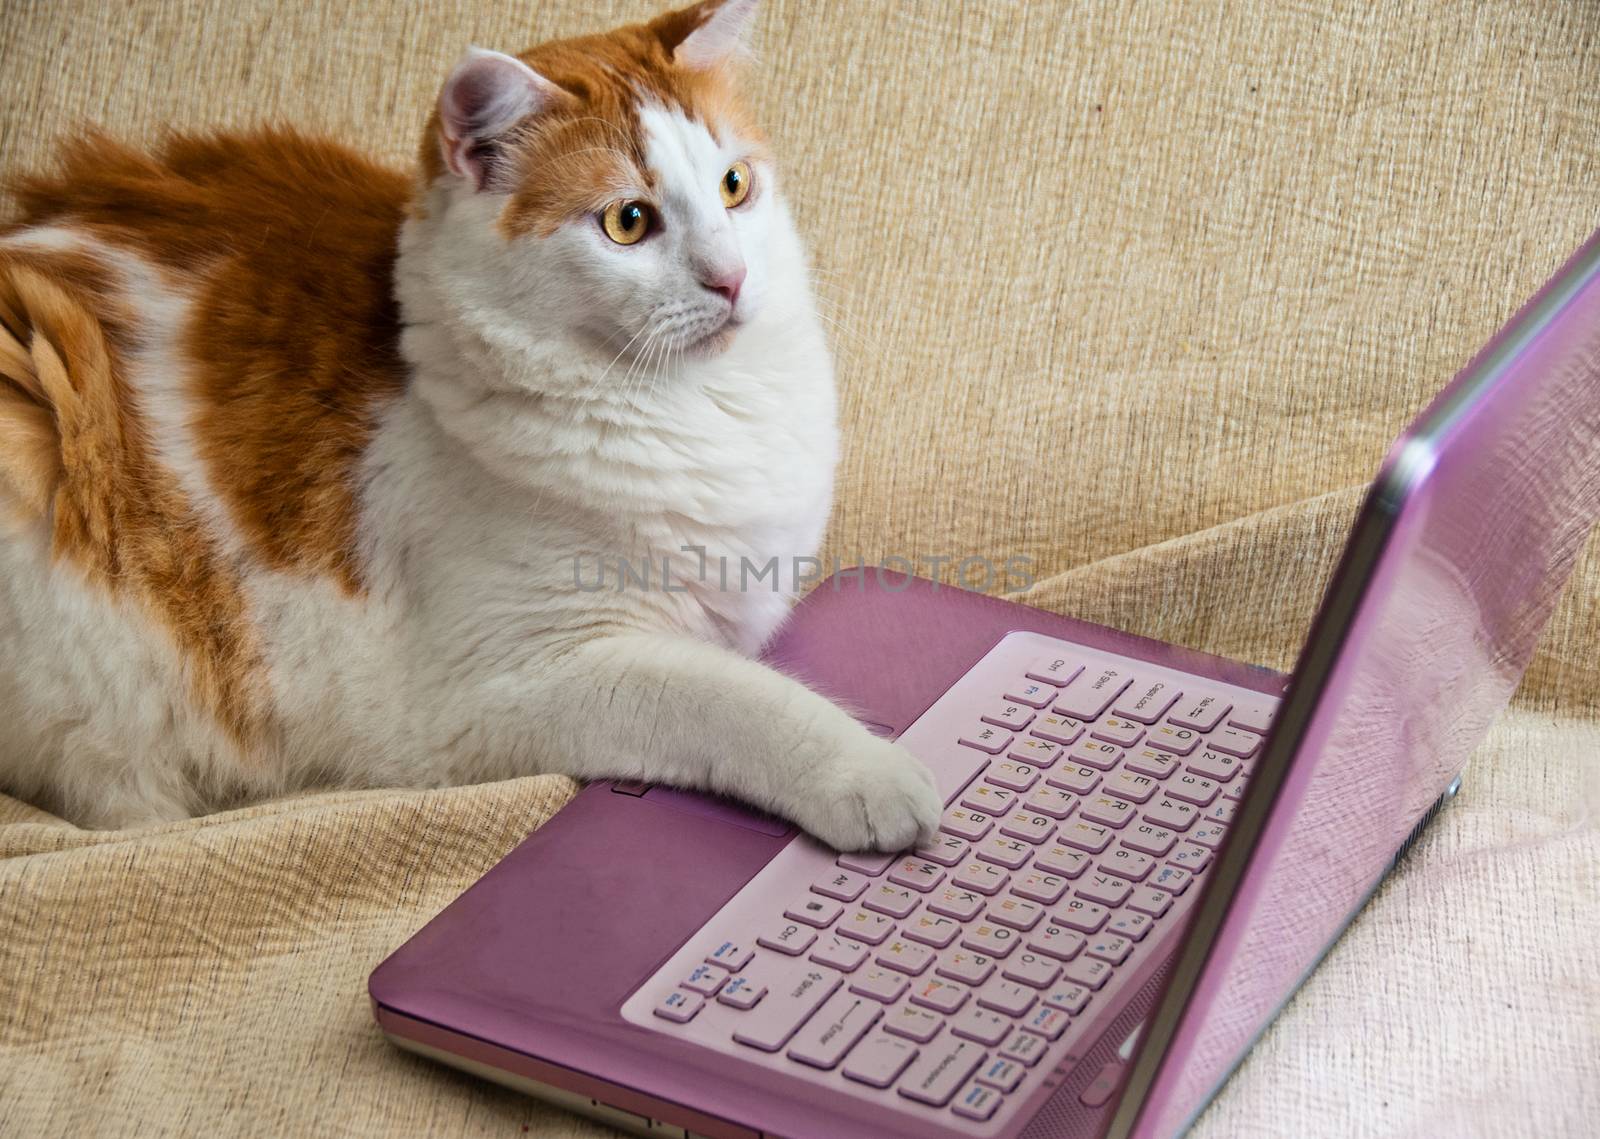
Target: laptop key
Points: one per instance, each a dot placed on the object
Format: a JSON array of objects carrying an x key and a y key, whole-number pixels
[
  {"x": 705, "y": 979},
  {"x": 1015, "y": 912},
  {"x": 1057, "y": 941},
  {"x": 679, "y": 1006},
  {"x": 1191, "y": 856},
  {"x": 1032, "y": 969},
  {"x": 945, "y": 849},
  {"x": 976, "y": 1102},
  {"x": 878, "y": 1060},
  {"x": 963, "y": 822},
  {"x": 1107, "y": 809},
  {"x": 1007, "y": 997},
  {"x": 834, "y": 1030},
  {"x": 1132, "y": 786},
  {"x": 1149, "y": 839},
  {"x": 1153, "y": 762},
  {"x": 991, "y": 938},
  {"x": 913, "y": 1023},
  {"x": 931, "y": 929},
  {"x": 1095, "y": 753},
  {"x": 841, "y": 885},
  {"x": 965, "y": 966},
  {"x": 1202, "y": 713},
  {"x": 1170, "y": 737},
  {"x": 988, "y": 799},
  {"x": 1234, "y": 741},
  {"x": 1192, "y": 788},
  {"x": 1147, "y": 703},
  {"x": 1012, "y": 853},
  {"x": 1034, "y": 694},
  {"x": 905, "y": 956},
  {"x": 1025, "y": 1046},
  {"x": 1010, "y": 715},
  {"x": 866, "y": 926},
  {"x": 1048, "y": 1022},
  {"x": 1028, "y": 827},
  {"x": 1085, "y": 917},
  {"x": 869, "y": 864},
  {"x": 1056, "y": 671},
  {"x": 1222, "y": 811},
  {"x": 982, "y": 877},
  {"x": 1084, "y": 835},
  {"x": 730, "y": 955},
  {"x": 941, "y": 1068},
  {"x": 771, "y": 1023},
  {"x": 1052, "y": 801},
  {"x": 1063, "y": 860},
  {"x": 789, "y": 937},
  {"x": 1070, "y": 998},
  {"x": 917, "y": 873},
  {"x": 1171, "y": 879},
  {"x": 1128, "y": 864},
  {"x": 1116, "y": 730},
  {"x": 895, "y": 901},
  {"x": 1253, "y": 715},
  {"x": 1110, "y": 947},
  {"x": 939, "y": 995},
  {"x": 1063, "y": 730},
  {"x": 1001, "y": 1074},
  {"x": 815, "y": 911},
  {"x": 840, "y": 953},
  {"x": 987, "y": 738},
  {"x": 1106, "y": 889},
  {"x": 1131, "y": 924},
  {"x": 1171, "y": 813},
  {"x": 1039, "y": 886},
  {"x": 1090, "y": 972},
  {"x": 880, "y": 984},
  {"x": 1076, "y": 778},
  {"x": 1012, "y": 774},
  {"x": 980, "y": 1025},
  {"x": 1149, "y": 900},
  {"x": 1209, "y": 834},
  {"x": 1091, "y": 693},
  {"x": 741, "y": 992},
  {"x": 956, "y": 901},
  {"x": 1215, "y": 765}
]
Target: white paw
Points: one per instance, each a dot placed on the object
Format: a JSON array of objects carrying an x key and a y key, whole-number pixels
[{"x": 879, "y": 797}]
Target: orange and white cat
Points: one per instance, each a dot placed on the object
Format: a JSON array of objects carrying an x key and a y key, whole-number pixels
[{"x": 298, "y": 455}]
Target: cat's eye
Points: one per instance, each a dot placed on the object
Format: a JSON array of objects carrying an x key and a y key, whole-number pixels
[
  {"x": 736, "y": 184},
  {"x": 627, "y": 222}
]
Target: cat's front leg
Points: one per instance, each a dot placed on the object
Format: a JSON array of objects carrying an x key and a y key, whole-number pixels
[{"x": 677, "y": 711}]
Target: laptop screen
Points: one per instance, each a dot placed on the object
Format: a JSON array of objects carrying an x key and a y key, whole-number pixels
[{"x": 1451, "y": 574}]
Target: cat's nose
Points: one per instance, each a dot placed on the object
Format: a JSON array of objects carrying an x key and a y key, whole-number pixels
[{"x": 728, "y": 282}]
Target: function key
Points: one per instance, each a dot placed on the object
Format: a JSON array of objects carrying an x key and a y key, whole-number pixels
[
  {"x": 1202, "y": 713},
  {"x": 1172, "y": 879},
  {"x": 1032, "y": 693},
  {"x": 1068, "y": 998},
  {"x": 1091, "y": 693},
  {"x": 1191, "y": 856},
  {"x": 679, "y": 1007},
  {"x": 1058, "y": 671},
  {"x": 1148, "y": 702},
  {"x": 1011, "y": 715},
  {"x": 1149, "y": 900}
]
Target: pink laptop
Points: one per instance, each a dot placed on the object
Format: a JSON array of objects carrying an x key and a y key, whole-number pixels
[{"x": 1145, "y": 849}]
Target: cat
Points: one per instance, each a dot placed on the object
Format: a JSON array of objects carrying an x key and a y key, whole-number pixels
[{"x": 298, "y": 455}]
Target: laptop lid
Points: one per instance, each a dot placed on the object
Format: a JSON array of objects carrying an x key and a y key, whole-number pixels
[{"x": 1449, "y": 578}]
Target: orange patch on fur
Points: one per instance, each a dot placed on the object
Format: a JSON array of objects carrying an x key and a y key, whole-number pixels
[
  {"x": 287, "y": 246},
  {"x": 85, "y": 471},
  {"x": 578, "y": 156}
]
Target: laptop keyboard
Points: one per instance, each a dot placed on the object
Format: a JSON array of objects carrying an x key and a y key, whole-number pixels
[{"x": 1086, "y": 794}]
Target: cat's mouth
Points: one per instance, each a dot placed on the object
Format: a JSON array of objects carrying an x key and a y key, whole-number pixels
[{"x": 715, "y": 342}]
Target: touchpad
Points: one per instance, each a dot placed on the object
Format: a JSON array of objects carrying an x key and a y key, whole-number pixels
[{"x": 711, "y": 807}]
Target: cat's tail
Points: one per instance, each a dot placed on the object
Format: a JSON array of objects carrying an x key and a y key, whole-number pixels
[{"x": 55, "y": 369}]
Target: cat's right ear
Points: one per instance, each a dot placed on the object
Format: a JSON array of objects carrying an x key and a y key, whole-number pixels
[{"x": 487, "y": 95}]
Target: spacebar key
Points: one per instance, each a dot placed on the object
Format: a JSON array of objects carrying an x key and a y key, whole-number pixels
[{"x": 789, "y": 1001}]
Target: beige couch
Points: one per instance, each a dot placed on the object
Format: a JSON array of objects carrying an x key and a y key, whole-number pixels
[{"x": 1137, "y": 289}]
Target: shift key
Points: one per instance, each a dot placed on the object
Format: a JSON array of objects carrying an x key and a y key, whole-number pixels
[
  {"x": 1092, "y": 692},
  {"x": 794, "y": 994}
]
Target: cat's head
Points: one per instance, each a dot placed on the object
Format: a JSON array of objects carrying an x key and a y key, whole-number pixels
[{"x": 610, "y": 187}]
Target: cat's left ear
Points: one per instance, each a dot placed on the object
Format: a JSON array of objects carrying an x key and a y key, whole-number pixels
[
  {"x": 708, "y": 34},
  {"x": 486, "y": 96}
]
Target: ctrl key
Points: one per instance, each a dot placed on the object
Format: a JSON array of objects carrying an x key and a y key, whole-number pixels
[{"x": 679, "y": 1007}]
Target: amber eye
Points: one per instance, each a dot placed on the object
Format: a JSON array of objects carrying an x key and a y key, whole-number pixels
[
  {"x": 626, "y": 223},
  {"x": 736, "y": 184}
]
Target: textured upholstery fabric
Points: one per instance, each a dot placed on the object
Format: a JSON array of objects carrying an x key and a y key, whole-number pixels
[{"x": 1139, "y": 290}]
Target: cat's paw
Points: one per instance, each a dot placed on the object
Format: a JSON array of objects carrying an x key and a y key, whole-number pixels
[{"x": 878, "y": 798}]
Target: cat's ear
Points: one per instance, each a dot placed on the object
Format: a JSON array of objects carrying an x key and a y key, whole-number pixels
[
  {"x": 487, "y": 95},
  {"x": 709, "y": 34}
]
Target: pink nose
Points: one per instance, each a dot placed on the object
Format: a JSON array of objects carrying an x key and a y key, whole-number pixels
[{"x": 728, "y": 282}]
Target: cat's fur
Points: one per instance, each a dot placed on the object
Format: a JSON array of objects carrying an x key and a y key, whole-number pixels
[{"x": 297, "y": 452}]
